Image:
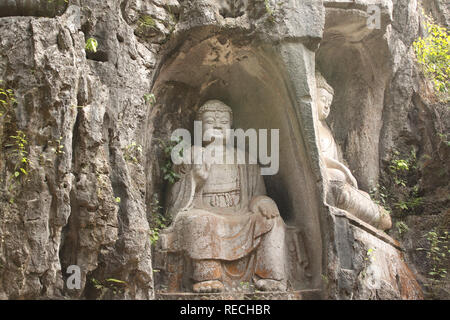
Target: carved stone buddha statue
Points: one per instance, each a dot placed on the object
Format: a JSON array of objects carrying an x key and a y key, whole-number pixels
[
  {"x": 343, "y": 189},
  {"x": 224, "y": 224}
]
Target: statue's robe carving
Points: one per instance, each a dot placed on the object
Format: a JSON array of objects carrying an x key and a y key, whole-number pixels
[
  {"x": 342, "y": 194},
  {"x": 214, "y": 224}
]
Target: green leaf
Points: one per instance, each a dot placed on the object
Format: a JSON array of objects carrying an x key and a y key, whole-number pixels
[
  {"x": 91, "y": 45},
  {"x": 115, "y": 280}
]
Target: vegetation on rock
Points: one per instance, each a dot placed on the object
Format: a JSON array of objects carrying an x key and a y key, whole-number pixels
[{"x": 433, "y": 53}]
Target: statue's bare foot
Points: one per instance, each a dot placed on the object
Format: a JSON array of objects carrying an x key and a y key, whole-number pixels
[
  {"x": 270, "y": 285},
  {"x": 210, "y": 286}
]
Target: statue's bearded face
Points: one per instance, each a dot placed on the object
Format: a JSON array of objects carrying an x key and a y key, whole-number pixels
[
  {"x": 216, "y": 123},
  {"x": 325, "y": 99}
]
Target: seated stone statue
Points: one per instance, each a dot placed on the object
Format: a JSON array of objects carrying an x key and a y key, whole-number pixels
[
  {"x": 343, "y": 189},
  {"x": 223, "y": 221}
]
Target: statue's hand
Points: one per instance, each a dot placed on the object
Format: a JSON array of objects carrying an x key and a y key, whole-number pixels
[
  {"x": 265, "y": 206},
  {"x": 182, "y": 168},
  {"x": 201, "y": 172},
  {"x": 334, "y": 164},
  {"x": 200, "y": 167}
]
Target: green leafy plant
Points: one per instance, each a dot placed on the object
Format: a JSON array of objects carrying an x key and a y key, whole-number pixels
[
  {"x": 7, "y": 101},
  {"x": 91, "y": 45},
  {"x": 437, "y": 255},
  {"x": 157, "y": 221},
  {"x": 412, "y": 202},
  {"x": 444, "y": 139},
  {"x": 380, "y": 195},
  {"x": 325, "y": 279},
  {"x": 269, "y": 11},
  {"x": 132, "y": 152},
  {"x": 400, "y": 167},
  {"x": 370, "y": 255},
  {"x": 147, "y": 22},
  {"x": 433, "y": 53},
  {"x": 115, "y": 281},
  {"x": 169, "y": 174},
  {"x": 172, "y": 21},
  {"x": 368, "y": 258},
  {"x": 246, "y": 286},
  {"x": 58, "y": 2},
  {"x": 7, "y": 104},
  {"x": 110, "y": 284},
  {"x": 399, "y": 192},
  {"x": 402, "y": 227},
  {"x": 150, "y": 98},
  {"x": 168, "y": 168},
  {"x": 20, "y": 152},
  {"x": 97, "y": 284},
  {"x": 78, "y": 107}
]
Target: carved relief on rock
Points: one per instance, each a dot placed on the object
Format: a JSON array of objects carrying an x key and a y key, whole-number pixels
[
  {"x": 226, "y": 230},
  {"x": 342, "y": 187}
]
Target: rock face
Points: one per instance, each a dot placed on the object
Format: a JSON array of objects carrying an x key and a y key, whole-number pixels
[{"x": 94, "y": 125}]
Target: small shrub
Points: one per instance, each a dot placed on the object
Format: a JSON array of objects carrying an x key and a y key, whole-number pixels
[
  {"x": 132, "y": 152},
  {"x": 20, "y": 159},
  {"x": 150, "y": 98},
  {"x": 437, "y": 255},
  {"x": 157, "y": 221},
  {"x": 168, "y": 168},
  {"x": 22, "y": 162},
  {"x": 113, "y": 285},
  {"x": 402, "y": 227},
  {"x": 269, "y": 11},
  {"x": 147, "y": 22},
  {"x": 7, "y": 104},
  {"x": 433, "y": 53},
  {"x": 380, "y": 195},
  {"x": 398, "y": 191},
  {"x": 7, "y": 101}
]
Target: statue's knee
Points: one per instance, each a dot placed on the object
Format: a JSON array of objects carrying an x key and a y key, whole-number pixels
[{"x": 336, "y": 175}]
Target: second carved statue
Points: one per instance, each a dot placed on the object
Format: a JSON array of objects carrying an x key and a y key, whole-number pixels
[{"x": 342, "y": 187}]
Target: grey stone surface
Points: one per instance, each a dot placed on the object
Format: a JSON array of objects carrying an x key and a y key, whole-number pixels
[{"x": 66, "y": 210}]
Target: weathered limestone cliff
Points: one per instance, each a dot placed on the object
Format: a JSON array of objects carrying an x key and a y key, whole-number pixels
[{"x": 92, "y": 128}]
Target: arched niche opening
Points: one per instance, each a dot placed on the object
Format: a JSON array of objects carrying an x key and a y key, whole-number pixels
[
  {"x": 253, "y": 80},
  {"x": 354, "y": 60}
]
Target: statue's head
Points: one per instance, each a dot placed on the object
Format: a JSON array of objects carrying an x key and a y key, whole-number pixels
[
  {"x": 216, "y": 116},
  {"x": 325, "y": 95}
]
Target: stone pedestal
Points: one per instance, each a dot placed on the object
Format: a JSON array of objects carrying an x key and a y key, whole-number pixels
[{"x": 366, "y": 263}]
